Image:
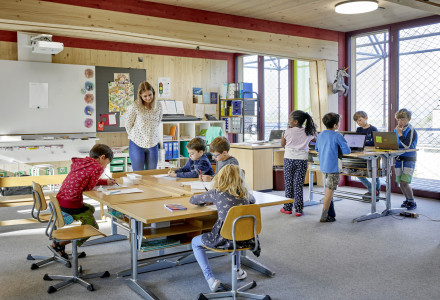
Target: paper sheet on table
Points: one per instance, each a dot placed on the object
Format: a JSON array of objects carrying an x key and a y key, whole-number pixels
[
  {"x": 198, "y": 185},
  {"x": 123, "y": 191},
  {"x": 165, "y": 176},
  {"x": 211, "y": 109}
]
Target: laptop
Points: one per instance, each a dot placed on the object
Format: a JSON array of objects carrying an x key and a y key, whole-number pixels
[
  {"x": 385, "y": 140},
  {"x": 356, "y": 141},
  {"x": 275, "y": 135}
]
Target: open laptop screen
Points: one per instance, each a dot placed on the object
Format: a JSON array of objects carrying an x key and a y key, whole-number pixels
[{"x": 355, "y": 141}]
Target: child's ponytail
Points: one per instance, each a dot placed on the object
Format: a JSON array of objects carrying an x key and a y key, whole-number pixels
[
  {"x": 310, "y": 125},
  {"x": 302, "y": 117}
]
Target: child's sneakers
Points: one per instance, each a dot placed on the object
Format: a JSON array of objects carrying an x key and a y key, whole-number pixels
[
  {"x": 288, "y": 212},
  {"x": 299, "y": 214},
  {"x": 214, "y": 286},
  {"x": 328, "y": 219},
  {"x": 410, "y": 205},
  {"x": 241, "y": 274}
]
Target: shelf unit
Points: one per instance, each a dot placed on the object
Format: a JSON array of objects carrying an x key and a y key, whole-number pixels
[
  {"x": 241, "y": 116},
  {"x": 184, "y": 132}
]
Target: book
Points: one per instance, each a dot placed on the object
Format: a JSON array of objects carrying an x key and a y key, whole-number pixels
[
  {"x": 173, "y": 207},
  {"x": 158, "y": 244},
  {"x": 206, "y": 99},
  {"x": 213, "y": 97}
]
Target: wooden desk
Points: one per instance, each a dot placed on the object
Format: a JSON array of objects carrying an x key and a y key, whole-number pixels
[
  {"x": 151, "y": 210},
  {"x": 257, "y": 162}
]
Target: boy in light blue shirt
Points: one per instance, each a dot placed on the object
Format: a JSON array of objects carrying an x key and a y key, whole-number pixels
[{"x": 330, "y": 146}]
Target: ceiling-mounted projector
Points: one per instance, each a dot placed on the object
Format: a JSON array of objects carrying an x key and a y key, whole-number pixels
[{"x": 43, "y": 44}]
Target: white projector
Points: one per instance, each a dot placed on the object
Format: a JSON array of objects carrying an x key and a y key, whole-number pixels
[{"x": 45, "y": 47}]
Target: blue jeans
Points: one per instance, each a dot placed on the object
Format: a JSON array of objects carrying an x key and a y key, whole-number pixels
[
  {"x": 367, "y": 183},
  {"x": 202, "y": 259},
  {"x": 143, "y": 158}
]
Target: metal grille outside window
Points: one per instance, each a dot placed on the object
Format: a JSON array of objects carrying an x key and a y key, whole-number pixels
[
  {"x": 250, "y": 74},
  {"x": 419, "y": 91},
  {"x": 276, "y": 112}
]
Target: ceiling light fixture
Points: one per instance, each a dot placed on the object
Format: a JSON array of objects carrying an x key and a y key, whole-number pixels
[{"x": 356, "y": 6}]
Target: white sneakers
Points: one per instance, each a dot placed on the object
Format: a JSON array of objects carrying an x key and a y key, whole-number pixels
[
  {"x": 241, "y": 274},
  {"x": 214, "y": 285}
]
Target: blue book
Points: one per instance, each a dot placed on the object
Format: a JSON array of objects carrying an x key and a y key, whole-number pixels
[
  {"x": 206, "y": 99},
  {"x": 175, "y": 149},
  {"x": 246, "y": 90},
  {"x": 213, "y": 97}
]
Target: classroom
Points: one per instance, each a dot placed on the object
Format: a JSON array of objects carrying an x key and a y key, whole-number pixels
[{"x": 262, "y": 77}]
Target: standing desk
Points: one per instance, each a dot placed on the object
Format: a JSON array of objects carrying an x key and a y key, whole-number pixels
[
  {"x": 372, "y": 155},
  {"x": 151, "y": 210}
]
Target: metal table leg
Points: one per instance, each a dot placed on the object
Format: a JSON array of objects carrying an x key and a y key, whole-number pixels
[
  {"x": 310, "y": 202},
  {"x": 389, "y": 210}
]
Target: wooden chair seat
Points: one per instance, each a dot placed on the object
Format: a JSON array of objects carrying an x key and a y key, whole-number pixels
[
  {"x": 45, "y": 217},
  {"x": 76, "y": 233}
]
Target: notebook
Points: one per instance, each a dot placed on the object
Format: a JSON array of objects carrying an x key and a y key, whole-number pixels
[
  {"x": 355, "y": 141},
  {"x": 385, "y": 140}
]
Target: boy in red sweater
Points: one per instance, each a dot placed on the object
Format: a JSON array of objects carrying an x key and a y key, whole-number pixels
[{"x": 83, "y": 176}]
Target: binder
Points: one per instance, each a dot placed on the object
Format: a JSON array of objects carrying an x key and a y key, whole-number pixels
[{"x": 175, "y": 149}]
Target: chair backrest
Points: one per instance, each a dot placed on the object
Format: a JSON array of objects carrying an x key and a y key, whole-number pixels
[
  {"x": 56, "y": 212},
  {"x": 244, "y": 227},
  {"x": 38, "y": 195}
]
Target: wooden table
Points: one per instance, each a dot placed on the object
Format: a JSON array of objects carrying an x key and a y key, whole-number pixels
[
  {"x": 371, "y": 155},
  {"x": 151, "y": 210}
]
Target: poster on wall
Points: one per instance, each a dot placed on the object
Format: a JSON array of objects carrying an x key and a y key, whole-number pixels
[
  {"x": 164, "y": 88},
  {"x": 120, "y": 96}
]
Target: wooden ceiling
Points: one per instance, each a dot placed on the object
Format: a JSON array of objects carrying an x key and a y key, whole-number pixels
[{"x": 315, "y": 13}]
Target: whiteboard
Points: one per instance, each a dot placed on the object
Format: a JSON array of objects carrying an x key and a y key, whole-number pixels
[{"x": 71, "y": 100}]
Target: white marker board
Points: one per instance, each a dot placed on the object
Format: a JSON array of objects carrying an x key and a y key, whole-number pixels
[{"x": 68, "y": 108}]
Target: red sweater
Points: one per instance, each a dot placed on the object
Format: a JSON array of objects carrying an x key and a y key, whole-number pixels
[{"x": 84, "y": 176}]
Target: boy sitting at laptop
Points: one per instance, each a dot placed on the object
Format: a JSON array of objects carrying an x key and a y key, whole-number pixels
[
  {"x": 361, "y": 118},
  {"x": 406, "y": 163}
]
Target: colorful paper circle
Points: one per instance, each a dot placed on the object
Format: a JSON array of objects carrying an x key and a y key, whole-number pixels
[
  {"x": 89, "y": 98},
  {"x": 88, "y": 123},
  {"x": 88, "y": 110},
  {"x": 89, "y": 86},
  {"x": 83, "y": 91},
  {"x": 89, "y": 73}
]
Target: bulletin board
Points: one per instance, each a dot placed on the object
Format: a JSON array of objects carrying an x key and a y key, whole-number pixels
[
  {"x": 104, "y": 105},
  {"x": 39, "y": 97}
]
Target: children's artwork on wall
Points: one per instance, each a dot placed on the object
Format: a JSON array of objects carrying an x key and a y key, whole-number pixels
[
  {"x": 88, "y": 123},
  {"x": 164, "y": 84},
  {"x": 89, "y": 98},
  {"x": 120, "y": 96},
  {"x": 89, "y": 73},
  {"x": 104, "y": 119},
  {"x": 122, "y": 78},
  {"x": 197, "y": 95},
  {"x": 89, "y": 86},
  {"x": 100, "y": 126},
  {"x": 89, "y": 110},
  {"x": 38, "y": 95},
  {"x": 111, "y": 119}
]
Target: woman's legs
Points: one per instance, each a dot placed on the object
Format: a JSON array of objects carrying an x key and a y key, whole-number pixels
[
  {"x": 137, "y": 156},
  {"x": 152, "y": 157}
]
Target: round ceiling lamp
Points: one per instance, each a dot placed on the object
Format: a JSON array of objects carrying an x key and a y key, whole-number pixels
[{"x": 356, "y": 7}]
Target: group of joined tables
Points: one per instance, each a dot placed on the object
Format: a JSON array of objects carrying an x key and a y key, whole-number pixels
[{"x": 145, "y": 210}]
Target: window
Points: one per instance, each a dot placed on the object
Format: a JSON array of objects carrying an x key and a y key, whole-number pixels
[{"x": 302, "y": 86}]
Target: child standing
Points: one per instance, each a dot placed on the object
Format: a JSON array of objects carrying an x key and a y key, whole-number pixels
[
  {"x": 83, "y": 176},
  {"x": 197, "y": 164},
  {"x": 296, "y": 141},
  {"x": 219, "y": 148},
  {"x": 406, "y": 163},
  {"x": 328, "y": 145},
  {"x": 229, "y": 189},
  {"x": 361, "y": 118}
]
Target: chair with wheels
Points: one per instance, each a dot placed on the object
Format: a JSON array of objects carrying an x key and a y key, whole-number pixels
[
  {"x": 73, "y": 234},
  {"x": 242, "y": 223},
  {"x": 39, "y": 206}
]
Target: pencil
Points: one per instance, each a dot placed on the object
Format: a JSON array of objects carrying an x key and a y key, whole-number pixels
[{"x": 112, "y": 178}]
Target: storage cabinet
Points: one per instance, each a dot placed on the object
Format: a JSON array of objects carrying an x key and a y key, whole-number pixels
[
  {"x": 241, "y": 116},
  {"x": 175, "y": 135}
]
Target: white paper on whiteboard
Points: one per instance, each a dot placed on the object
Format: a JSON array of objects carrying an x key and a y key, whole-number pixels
[
  {"x": 121, "y": 120},
  {"x": 200, "y": 110},
  {"x": 179, "y": 107},
  {"x": 112, "y": 119},
  {"x": 210, "y": 109},
  {"x": 38, "y": 95}
]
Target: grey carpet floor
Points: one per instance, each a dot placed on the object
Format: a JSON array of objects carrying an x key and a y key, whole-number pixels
[{"x": 386, "y": 258}]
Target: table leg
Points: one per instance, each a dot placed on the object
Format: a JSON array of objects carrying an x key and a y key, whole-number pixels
[
  {"x": 113, "y": 237},
  {"x": 310, "y": 202},
  {"x": 389, "y": 210},
  {"x": 135, "y": 244}
]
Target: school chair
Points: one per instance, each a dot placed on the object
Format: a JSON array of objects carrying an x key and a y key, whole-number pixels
[
  {"x": 242, "y": 223},
  {"x": 73, "y": 234},
  {"x": 39, "y": 206}
]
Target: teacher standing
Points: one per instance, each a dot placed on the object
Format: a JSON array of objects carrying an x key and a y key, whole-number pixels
[{"x": 142, "y": 125}]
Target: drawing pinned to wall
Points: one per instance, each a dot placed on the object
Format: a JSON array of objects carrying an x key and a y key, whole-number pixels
[
  {"x": 100, "y": 126},
  {"x": 120, "y": 96},
  {"x": 122, "y": 78},
  {"x": 38, "y": 95},
  {"x": 83, "y": 91},
  {"x": 89, "y": 73},
  {"x": 88, "y": 110},
  {"x": 197, "y": 95},
  {"x": 164, "y": 84},
  {"x": 89, "y": 86},
  {"x": 104, "y": 119},
  {"x": 88, "y": 123},
  {"x": 121, "y": 120},
  {"x": 89, "y": 98},
  {"x": 111, "y": 119}
]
